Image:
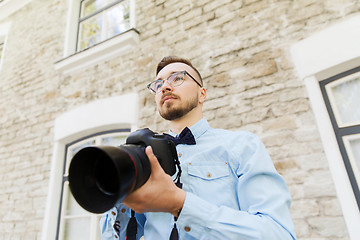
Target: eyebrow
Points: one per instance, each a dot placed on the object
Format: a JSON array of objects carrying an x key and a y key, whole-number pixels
[{"x": 170, "y": 74}]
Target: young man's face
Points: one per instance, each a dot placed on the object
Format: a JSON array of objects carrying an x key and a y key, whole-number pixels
[{"x": 175, "y": 102}]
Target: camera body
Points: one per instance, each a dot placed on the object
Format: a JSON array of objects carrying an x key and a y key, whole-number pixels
[
  {"x": 164, "y": 149},
  {"x": 101, "y": 176}
]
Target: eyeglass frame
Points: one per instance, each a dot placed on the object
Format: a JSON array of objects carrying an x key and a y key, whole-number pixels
[{"x": 184, "y": 72}]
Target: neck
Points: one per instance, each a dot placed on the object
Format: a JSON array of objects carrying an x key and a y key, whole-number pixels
[{"x": 187, "y": 120}]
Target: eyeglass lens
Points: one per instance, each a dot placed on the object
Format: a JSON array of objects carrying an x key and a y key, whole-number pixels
[{"x": 174, "y": 80}]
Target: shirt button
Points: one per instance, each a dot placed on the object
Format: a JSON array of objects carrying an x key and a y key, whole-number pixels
[
  {"x": 123, "y": 210},
  {"x": 116, "y": 236},
  {"x": 187, "y": 229},
  {"x": 179, "y": 154},
  {"x": 113, "y": 213},
  {"x": 208, "y": 175}
]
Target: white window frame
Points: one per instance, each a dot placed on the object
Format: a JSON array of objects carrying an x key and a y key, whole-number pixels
[
  {"x": 94, "y": 230},
  {"x": 4, "y": 30},
  {"x": 98, "y": 116},
  {"x": 121, "y": 44},
  {"x": 318, "y": 57}
]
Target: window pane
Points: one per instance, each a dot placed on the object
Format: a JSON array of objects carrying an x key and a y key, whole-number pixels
[
  {"x": 114, "y": 140},
  {"x": 355, "y": 146},
  {"x": 104, "y": 21},
  {"x": 117, "y": 20},
  {"x": 344, "y": 98},
  {"x": 90, "y": 6},
  {"x": 352, "y": 145},
  {"x": 72, "y": 207},
  {"x": 90, "y": 31},
  {"x": 77, "y": 229}
]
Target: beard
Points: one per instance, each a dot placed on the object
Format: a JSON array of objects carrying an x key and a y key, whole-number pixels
[{"x": 170, "y": 112}]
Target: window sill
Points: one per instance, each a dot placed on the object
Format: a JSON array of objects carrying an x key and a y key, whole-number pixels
[{"x": 113, "y": 47}]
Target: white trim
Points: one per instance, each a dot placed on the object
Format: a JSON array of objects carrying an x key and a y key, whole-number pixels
[
  {"x": 334, "y": 50},
  {"x": 8, "y": 7},
  {"x": 71, "y": 28},
  {"x": 119, "y": 45},
  {"x": 325, "y": 54},
  {"x": 337, "y": 168},
  {"x": 100, "y": 115},
  {"x": 103, "y": 51},
  {"x": 4, "y": 30},
  {"x": 132, "y": 14}
]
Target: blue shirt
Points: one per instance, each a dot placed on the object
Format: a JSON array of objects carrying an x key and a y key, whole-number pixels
[{"x": 233, "y": 192}]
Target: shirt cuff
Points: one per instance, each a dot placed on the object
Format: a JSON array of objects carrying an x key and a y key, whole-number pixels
[{"x": 194, "y": 215}]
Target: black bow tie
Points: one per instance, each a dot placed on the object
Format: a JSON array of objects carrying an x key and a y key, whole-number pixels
[{"x": 185, "y": 137}]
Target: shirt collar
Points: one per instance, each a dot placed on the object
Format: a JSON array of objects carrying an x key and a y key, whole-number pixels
[{"x": 198, "y": 129}]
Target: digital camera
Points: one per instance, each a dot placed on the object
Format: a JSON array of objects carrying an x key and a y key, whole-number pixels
[{"x": 101, "y": 176}]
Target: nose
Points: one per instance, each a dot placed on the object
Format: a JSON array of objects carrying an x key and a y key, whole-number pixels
[{"x": 166, "y": 87}]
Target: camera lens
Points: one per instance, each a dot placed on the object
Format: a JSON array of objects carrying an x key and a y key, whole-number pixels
[
  {"x": 101, "y": 176},
  {"x": 106, "y": 176}
]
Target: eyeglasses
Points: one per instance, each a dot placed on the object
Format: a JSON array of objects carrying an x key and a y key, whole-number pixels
[{"x": 175, "y": 79}]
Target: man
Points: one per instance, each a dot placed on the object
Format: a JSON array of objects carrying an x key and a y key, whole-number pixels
[{"x": 230, "y": 189}]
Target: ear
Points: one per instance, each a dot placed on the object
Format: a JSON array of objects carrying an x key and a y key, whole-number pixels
[{"x": 202, "y": 95}]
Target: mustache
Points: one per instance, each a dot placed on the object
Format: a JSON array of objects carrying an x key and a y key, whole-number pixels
[{"x": 169, "y": 94}]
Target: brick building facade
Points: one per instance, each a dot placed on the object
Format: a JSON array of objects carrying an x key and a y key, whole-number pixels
[{"x": 250, "y": 54}]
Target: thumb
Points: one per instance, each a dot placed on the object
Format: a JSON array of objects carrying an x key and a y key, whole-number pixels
[{"x": 154, "y": 163}]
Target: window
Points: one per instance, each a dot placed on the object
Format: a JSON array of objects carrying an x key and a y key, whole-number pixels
[
  {"x": 327, "y": 61},
  {"x": 101, "y": 20},
  {"x": 97, "y": 30},
  {"x": 73, "y": 217},
  {"x": 104, "y": 121},
  {"x": 342, "y": 97}
]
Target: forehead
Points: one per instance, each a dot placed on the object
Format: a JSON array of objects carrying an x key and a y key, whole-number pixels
[{"x": 175, "y": 67}]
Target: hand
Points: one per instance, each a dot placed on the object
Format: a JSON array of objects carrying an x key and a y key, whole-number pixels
[{"x": 158, "y": 194}]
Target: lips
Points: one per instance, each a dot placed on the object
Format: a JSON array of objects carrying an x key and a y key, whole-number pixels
[{"x": 167, "y": 97}]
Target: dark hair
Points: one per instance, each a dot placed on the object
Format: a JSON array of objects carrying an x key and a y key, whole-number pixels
[{"x": 173, "y": 59}]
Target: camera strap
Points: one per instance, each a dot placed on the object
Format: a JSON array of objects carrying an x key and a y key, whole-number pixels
[
  {"x": 174, "y": 232},
  {"x": 131, "y": 229}
]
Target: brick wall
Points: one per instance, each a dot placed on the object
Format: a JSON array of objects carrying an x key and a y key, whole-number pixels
[{"x": 240, "y": 47}]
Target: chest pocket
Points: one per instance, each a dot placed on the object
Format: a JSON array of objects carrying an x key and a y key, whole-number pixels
[
  {"x": 212, "y": 182},
  {"x": 209, "y": 172}
]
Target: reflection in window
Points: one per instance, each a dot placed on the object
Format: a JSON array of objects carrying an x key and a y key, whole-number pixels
[
  {"x": 352, "y": 144},
  {"x": 113, "y": 140},
  {"x": 344, "y": 97},
  {"x": 77, "y": 229},
  {"x": 101, "y": 20}
]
